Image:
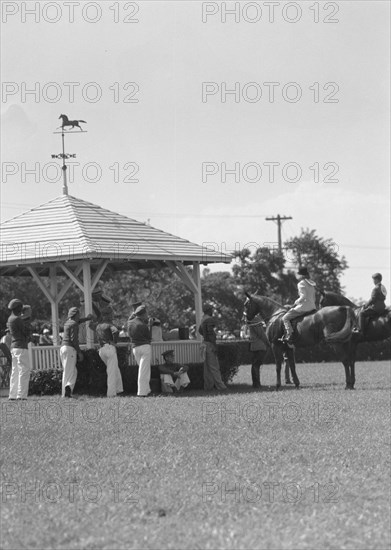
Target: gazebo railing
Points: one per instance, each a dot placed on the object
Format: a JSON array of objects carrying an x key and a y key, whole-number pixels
[{"x": 186, "y": 351}]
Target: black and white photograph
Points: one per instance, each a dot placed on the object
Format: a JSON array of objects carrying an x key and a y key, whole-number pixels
[{"x": 195, "y": 319}]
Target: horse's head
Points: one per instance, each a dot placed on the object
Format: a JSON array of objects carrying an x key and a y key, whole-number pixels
[
  {"x": 250, "y": 309},
  {"x": 62, "y": 116}
]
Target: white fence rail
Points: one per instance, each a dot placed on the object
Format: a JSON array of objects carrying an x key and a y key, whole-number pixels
[{"x": 186, "y": 351}]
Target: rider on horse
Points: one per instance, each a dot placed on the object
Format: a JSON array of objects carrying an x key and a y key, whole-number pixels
[
  {"x": 375, "y": 305},
  {"x": 304, "y": 304}
]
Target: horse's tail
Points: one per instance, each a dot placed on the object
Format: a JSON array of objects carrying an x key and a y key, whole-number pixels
[
  {"x": 82, "y": 121},
  {"x": 345, "y": 333}
]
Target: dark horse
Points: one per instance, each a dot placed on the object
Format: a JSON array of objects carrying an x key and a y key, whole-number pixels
[
  {"x": 73, "y": 123},
  {"x": 330, "y": 324},
  {"x": 378, "y": 328}
]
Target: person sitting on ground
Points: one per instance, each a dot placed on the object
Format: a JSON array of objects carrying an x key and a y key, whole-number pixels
[
  {"x": 306, "y": 302},
  {"x": 375, "y": 305},
  {"x": 173, "y": 376}
]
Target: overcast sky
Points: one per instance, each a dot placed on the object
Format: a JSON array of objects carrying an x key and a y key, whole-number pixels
[{"x": 151, "y": 81}]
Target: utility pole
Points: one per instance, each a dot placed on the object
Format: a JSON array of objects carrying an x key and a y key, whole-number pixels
[{"x": 279, "y": 219}]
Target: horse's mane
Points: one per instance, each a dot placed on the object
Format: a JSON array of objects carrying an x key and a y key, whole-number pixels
[
  {"x": 336, "y": 299},
  {"x": 261, "y": 300}
]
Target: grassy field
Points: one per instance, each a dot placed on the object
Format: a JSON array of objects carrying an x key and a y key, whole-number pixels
[{"x": 306, "y": 468}]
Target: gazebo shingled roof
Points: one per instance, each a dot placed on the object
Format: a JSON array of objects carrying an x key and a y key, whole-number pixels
[
  {"x": 71, "y": 237},
  {"x": 70, "y": 229}
]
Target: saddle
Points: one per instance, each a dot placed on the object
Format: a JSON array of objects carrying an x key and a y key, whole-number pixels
[
  {"x": 297, "y": 320},
  {"x": 294, "y": 322}
]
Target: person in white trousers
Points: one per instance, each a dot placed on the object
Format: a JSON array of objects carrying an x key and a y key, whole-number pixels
[
  {"x": 21, "y": 368},
  {"x": 107, "y": 335},
  {"x": 70, "y": 350},
  {"x": 140, "y": 339}
]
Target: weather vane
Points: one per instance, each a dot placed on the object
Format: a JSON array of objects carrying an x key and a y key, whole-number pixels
[{"x": 63, "y": 155}]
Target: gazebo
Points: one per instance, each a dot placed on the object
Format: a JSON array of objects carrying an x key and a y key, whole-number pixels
[{"x": 70, "y": 237}]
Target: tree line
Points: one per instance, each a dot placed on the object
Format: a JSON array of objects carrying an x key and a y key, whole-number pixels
[{"x": 265, "y": 270}]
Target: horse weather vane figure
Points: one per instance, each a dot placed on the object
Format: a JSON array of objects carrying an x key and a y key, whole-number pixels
[{"x": 64, "y": 156}]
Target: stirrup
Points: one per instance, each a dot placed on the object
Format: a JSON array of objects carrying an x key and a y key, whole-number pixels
[{"x": 286, "y": 341}]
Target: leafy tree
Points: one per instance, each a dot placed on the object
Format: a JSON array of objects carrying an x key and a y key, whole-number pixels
[
  {"x": 226, "y": 295},
  {"x": 320, "y": 256},
  {"x": 262, "y": 272}
]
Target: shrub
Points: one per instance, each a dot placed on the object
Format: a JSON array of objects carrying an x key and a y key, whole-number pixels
[{"x": 45, "y": 382}]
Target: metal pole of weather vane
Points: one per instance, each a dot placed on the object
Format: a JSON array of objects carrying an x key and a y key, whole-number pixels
[{"x": 63, "y": 155}]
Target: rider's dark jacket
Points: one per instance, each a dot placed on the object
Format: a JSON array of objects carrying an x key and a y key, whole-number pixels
[{"x": 378, "y": 298}]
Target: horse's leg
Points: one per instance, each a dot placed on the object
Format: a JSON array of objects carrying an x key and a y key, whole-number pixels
[
  {"x": 346, "y": 361},
  {"x": 352, "y": 357},
  {"x": 292, "y": 363},
  {"x": 278, "y": 358},
  {"x": 287, "y": 373}
]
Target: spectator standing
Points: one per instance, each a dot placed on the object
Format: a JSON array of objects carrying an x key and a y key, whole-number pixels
[
  {"x": 133, "y": 307},
  {"x": 140, "y": 339},
  {"x": 212, "y": 375},
  {"x": 107, "y": 335},
  {"x": 21, "y": 368},
  {"x": 70, "y": 350},
  {"x": 259, "y": 345}
]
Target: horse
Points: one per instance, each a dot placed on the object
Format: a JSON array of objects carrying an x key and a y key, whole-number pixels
[
  {"x": 73, "y": 123},
  {"x": 378, "y": 328},
  {"x": 330, "y": 324}
]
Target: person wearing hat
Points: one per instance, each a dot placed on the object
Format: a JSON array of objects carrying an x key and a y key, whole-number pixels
[
  {"x": 70, "y": 350},
  {"x": 259, "y": 344},
  {"x": 207, "y": 329},
  {"x": 376, "y": 304},
  {"x": 133, "y": 307},
  {"x": 173, "y": 376},
  {"x": 306, "y": 302},
  {"x": 107, "y": 335},
  {"x": 21, "y": 368},
  {"x": 140, "y": 339}
]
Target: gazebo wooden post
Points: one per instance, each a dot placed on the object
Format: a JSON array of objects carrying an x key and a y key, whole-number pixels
[
  {"x": 197, "y": 296},
  {"x": 193, "y": 283},
  {"x": 87, "y": 289},
  {"x": 54, "y": 304}
]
